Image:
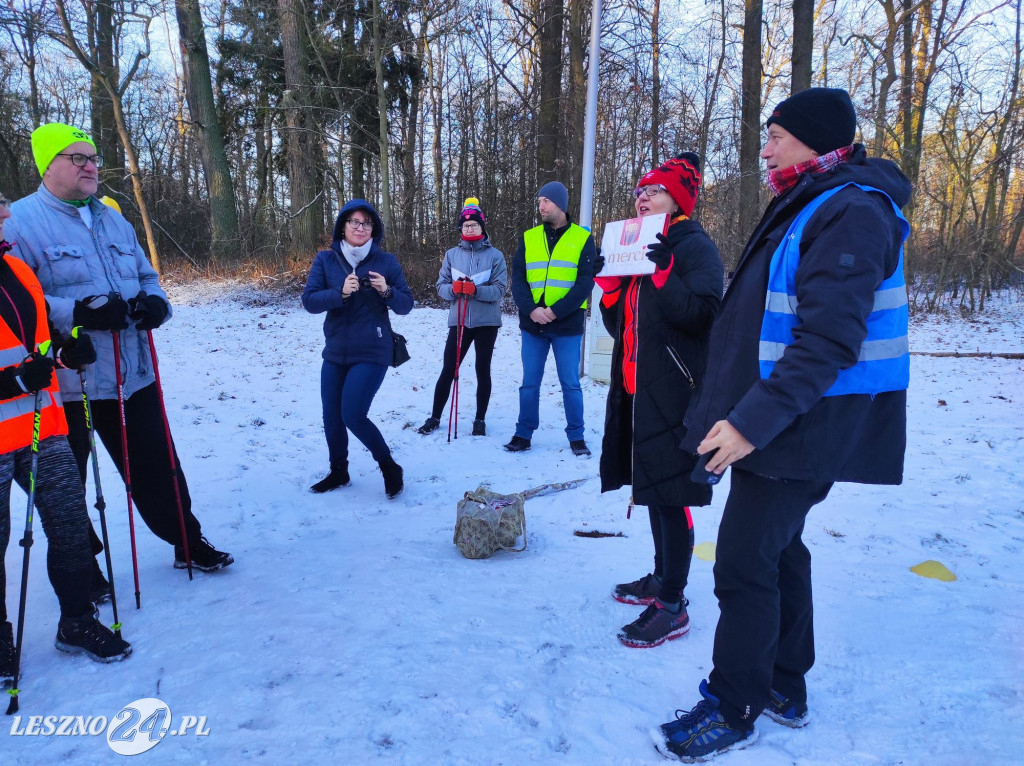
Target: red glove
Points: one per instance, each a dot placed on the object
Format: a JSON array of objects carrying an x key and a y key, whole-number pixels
[
  {"x": 463, "y": 286},
  {"x": 608, "y": 284}
]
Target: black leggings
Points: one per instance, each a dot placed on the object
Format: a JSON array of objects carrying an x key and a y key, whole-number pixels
[
  {"x": 483, "y": 338},
  {"x": 672, "y": 529}
]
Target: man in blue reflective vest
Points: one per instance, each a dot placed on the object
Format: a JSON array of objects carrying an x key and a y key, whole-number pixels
[
  {"x": 805, "y": 386},
  {"x": 552, "y": 277}
]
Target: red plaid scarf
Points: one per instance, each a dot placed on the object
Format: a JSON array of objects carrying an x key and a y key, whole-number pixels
[{"x": 782, "y": 180}]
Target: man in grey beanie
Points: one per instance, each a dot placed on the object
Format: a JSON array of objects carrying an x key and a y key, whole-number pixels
[{"x": 552, "y": 276}]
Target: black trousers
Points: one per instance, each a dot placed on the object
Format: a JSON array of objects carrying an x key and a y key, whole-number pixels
[
  {"x": 765, "y": 634},
  {"x": 483, "y": 338},
  {"x": 61, "y": 504},
  {"x": 148, "y": 460},
  {"x": 672, "y": 530}
]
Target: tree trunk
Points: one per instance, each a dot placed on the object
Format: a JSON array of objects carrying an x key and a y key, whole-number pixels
[
  {"x": 199, "y": 93},
  {"x": 656, "y": 81},
  {"x": 803, "y": 44},
  {"x": 750, "y": 119},
  {"x": 382, "y": 109},
  {"x": 549, "y": 160}
]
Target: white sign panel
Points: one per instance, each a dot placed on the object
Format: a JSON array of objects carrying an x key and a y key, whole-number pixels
[{"x": 624, "y": 245}]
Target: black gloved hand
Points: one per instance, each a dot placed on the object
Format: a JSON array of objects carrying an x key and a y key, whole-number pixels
[
  {"x": 34, "y": 374},
  {"x": 598, "y": 262},
  {"x": 147, "y": 311},
  {"x": 101, "y": 312},
  {"x": 660, "y": 252},
  {"x": 76, "y": 353}
]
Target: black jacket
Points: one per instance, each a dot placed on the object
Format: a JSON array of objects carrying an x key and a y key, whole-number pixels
[
  {"x": 642, "y": 432},
  {"x": 798, "y": 433},
  {"x": 571, "y": 318}
]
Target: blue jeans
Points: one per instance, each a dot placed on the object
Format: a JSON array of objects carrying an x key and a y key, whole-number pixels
[
  {"x": 567, "y": 362},
  {"x": 346, "y": 392}
]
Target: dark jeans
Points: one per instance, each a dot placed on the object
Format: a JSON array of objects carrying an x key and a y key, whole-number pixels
[
  {"x": 672, "y": 530},
  {"x": 484, "y": 339},
  {"x": 61, "y": 504},
  {"x": 346, "y": 392},
  {"x": 148, "y": 460},
  {"x": 765, "y": 634}
]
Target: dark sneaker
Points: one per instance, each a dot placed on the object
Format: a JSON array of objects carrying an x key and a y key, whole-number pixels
[
  {"x": 655, "y": 626},
  {"x": 393, "y": 478},
  {"x": 640, "y": 592},
  {"x": 786, "y": 711},
  {"x": 205, "y": 557},
  {"x": 338, "y": 477},
  {"x": 579, "y": 448},
  {"x": 90, "y": 637},
  {"x": 700, "y": 734},
  {"x": 518, "y": 444},
  {"x": 429, "y": 426},
  {"x": 479, "y": 428},
  {"x": 99, "y": 591},
  {"x": 6, "y": 654}
]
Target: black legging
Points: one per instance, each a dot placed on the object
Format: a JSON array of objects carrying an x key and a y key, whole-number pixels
[
  {"x": 672, "y": 529},
  {"x": 483, "y": 338}
]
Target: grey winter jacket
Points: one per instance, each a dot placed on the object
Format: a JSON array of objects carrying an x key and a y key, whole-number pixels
[
  {"x": 486, "y": 265},
  {"x": 73, "y": 262}
]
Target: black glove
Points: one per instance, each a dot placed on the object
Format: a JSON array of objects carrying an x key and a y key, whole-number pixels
[
  {"x": 660, "y": 252},
  {"x": 147, "y": 311},
  {"x": 75, "y": 353},
  {"x": 101, "y": 312},
  {"x": 34, "y": 374},
  {"x": 598, "y": 262}
]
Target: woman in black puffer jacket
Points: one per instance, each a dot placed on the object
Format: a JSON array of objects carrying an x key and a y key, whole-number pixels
[{"x": 660, "y": 323}]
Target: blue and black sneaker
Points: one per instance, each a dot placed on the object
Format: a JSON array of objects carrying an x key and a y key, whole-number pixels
[
  {"x": 700, "y": 734},
  {"x": 786, "y": 711}
]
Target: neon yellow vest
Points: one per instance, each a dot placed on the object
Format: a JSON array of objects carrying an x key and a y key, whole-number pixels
[{"x": 553, "y": 275}]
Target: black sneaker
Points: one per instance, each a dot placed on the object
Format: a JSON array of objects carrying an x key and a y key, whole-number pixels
[
  {"x": 579, "y": 448},
  {"x": 99, "y": 591},
  {"x": 393, "y": 475},
  {"x": 205, "y": 557},
  {"x": 90, "y": 637},
  {"x": 430, "y": 425},
  {"x": 702, "y": 733},
  {"x": 479, "y": 428},
  {"x": 640, "y": 592},
  {"x": 6, "y": 654},
  {"x": 655, "y": 626},
  {"x": 518, "y": 444},
  {"x": 786, "y": 711},
  {"x": 338, "y": 477}
]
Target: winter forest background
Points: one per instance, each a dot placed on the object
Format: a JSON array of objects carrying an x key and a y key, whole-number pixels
[{"x": 232, "y": 130}]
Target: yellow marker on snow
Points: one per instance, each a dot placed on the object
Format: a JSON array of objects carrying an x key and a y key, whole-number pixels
[
  {"x": 934, "y": 570},
  {"x": 705, "y": 551}
]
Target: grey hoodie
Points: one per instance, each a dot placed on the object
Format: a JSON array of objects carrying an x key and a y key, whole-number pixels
[{"x": 486, "y": 266}]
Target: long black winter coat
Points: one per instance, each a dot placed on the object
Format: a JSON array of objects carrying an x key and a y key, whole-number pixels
[
  {"x": 848, "y": 247},
  {"x": 642, "y": 432}
]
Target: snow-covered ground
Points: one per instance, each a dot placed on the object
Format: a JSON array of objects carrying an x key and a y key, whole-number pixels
[{"x": 351, "y": 630}]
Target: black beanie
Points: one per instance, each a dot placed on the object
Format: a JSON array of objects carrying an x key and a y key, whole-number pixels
[{"x": 822, "y": 119}]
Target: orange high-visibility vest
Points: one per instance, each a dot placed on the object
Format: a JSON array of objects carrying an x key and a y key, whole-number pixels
[{"x": 16, "y": 415}]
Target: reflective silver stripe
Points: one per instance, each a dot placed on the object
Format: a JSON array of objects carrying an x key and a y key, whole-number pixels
[
  {"x": 537, "y": 283},
  {"x": 892, "y": 298},
  {"x": 780, "y": 303},
  {"x": 24, "y": 405},
  {"x": 870, "y": 351},
  {"x": 889, "y": 348},
  {"x": 11, "y": 356},
  {"x": 559, "y": 283},
  {"x": 557, "y": 263}
]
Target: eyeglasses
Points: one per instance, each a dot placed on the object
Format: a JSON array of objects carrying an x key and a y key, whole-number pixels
[
  {"x": 364, "y": 225},
  {"x": 4, "y": 203},
  {"x": 81, "y": 160},
  {"x": 652, "y": 190},
  {"x": 470, "y": 225}
]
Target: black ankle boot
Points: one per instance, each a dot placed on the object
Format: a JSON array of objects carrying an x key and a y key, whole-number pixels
[
  {"x": 392, "y": 471},
  {"x": 338, "y": 477}
]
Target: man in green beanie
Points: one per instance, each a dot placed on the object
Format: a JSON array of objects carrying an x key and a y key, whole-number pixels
[{"x": 95, "y": 275}]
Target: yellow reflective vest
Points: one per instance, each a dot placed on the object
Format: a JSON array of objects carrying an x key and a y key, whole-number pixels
[{"x": 552, "y": 275}]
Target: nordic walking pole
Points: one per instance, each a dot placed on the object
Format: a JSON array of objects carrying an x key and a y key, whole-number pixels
[
  {"x": 170, "y": 453},
  {"x": 124, "y": 458},
  {"x": 101, "y": 504},
  {"x": 26, "y": 540},
  {"x": 454, "y": 406}
]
